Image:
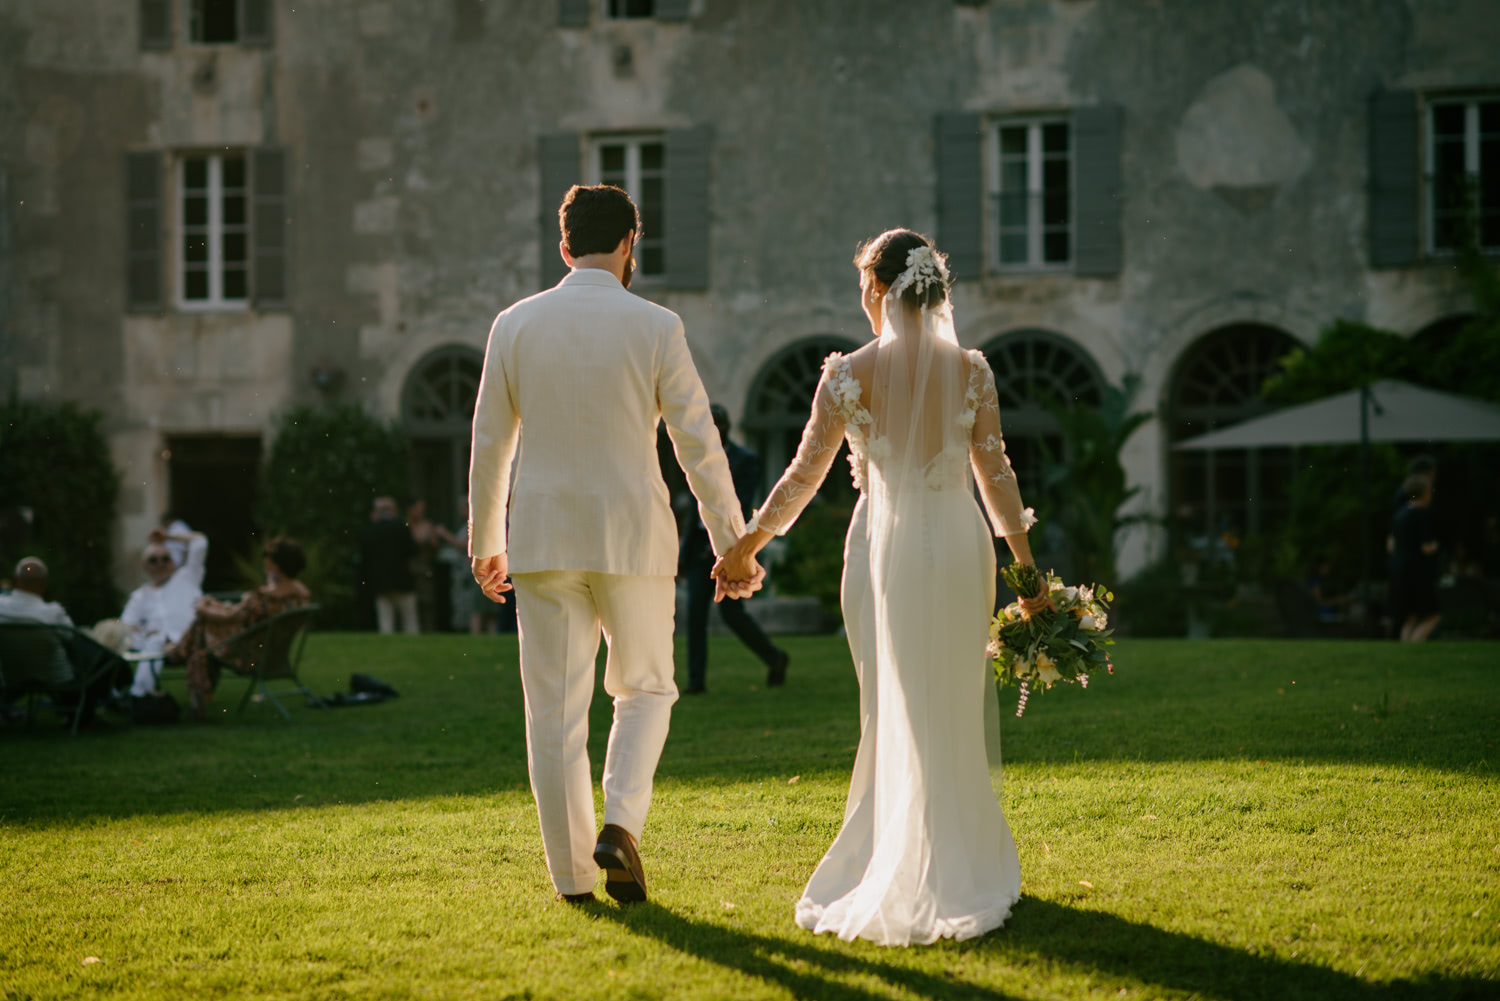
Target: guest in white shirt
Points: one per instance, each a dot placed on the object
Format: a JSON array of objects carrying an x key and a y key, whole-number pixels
[
  {"x": 161, "y": 610},
  {"x": 26, "y": 604},
  {"x": 177, "y": 534}
]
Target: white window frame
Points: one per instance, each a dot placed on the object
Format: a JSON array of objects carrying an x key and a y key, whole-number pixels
[
  {"x": 1035, "y": 229},
  {"x": 188, "y": 14},
  {"x": 633, "y": 176},
  {"x": 1472, "y": 138},
  {"x": 215, "y": 230}
]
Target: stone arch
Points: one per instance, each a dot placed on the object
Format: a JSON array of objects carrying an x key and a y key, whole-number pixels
[
  {"x": 1217, "y": 497},
  {"x": 1035, "y": 368},
  {"x": 437, "y": 413},
  {"x": 781, "y": 396}
]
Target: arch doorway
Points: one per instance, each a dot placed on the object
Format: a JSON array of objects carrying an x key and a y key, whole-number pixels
[
  {"x": 1035, "y": 368},
  {"x": 437, "y": 411},
  {"x": 1230, "y": 494},
  {"x": 779, "y": 403}
]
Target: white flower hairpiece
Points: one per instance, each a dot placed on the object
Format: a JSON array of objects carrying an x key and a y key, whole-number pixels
[{"x": 924, "y": 268}]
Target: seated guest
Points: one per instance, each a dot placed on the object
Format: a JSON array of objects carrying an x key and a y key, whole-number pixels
[
  {"x": 178, "y": 533},
  {"x": 80, "y": 656},
  {"x": 25, "y": 603},
  {"x": 216, "y": 621},
  {"x": 161, "y": 610}
]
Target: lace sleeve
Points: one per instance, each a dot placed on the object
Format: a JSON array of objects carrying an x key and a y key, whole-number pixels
[
  {"x": 992, "y": 469},
  {"x": 820, "y": 443}
]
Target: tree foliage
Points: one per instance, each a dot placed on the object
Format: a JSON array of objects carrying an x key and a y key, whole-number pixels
[
  {"x": 1085, "y": 485},
  {"x": 55, "y": 464},
  {"x": 325, "y": 467}
]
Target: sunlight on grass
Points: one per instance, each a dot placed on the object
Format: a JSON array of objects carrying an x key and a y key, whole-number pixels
[{"x": 1231, "y": 820}]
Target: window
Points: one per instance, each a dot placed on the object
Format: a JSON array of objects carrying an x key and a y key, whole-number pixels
[
  {"x": 215, "y": 238},
  {"x": 1035, "y": 370},
  {"x": 639, "y": 166},
  {"x": 1031, "y": 192},
  {"x": 1463, "y": 172},
  {"x": 437, "y": 410},
  {"x": 1235, "y": 492},
  {"x": 632, "y": 8},
  {"x": 213, "y": 22},
  {"x": 780, "y": 402}
]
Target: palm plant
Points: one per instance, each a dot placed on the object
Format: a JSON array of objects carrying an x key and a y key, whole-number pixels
[{"x": 1085, "y": 484}]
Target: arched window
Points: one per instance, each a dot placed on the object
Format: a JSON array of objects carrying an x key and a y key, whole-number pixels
[
  {"x": 1235, "y": 492},
  {"x": 1035, "y": 369},
  {"x": 437, "y": 410},
  {"x": 781, "y": 399}
]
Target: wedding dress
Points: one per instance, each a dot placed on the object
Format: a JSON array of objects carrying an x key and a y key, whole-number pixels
[{"x": 924, "y": 852}]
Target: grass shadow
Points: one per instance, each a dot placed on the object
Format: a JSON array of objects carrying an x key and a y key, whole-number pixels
[
  {"x": 1112, "y": 945},
  {"x": 1039, "y": 930},
  {"x": 800, "y": 967}
]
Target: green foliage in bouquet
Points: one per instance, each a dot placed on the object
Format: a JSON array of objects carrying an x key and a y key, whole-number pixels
[{"x": 1063, "y": 643}]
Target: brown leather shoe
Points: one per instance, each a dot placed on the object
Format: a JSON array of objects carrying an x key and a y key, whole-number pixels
[{"x": 624, "y": 878}]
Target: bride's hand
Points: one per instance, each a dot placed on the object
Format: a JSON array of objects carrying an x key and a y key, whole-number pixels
[
  {"x": 1038, "y": 602},
  {"x": 740, "y": 588},
  {"x": 736, "y": 574}
]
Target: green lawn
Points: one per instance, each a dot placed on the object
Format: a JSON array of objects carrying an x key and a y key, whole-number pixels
[{"x": 1219, "y": 820}]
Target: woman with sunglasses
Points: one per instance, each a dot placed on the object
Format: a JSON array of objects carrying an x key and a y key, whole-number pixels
[{"x": 216, "y": 621}]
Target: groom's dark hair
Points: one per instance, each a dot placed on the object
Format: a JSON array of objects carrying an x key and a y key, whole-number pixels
[{"x": 595, "y": 218}]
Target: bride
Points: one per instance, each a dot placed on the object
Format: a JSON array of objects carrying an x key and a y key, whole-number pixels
[{"x": 925, "y": 852}]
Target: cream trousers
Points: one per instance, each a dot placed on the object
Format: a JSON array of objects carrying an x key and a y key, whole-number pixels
[{"x": 561, "y": 615}]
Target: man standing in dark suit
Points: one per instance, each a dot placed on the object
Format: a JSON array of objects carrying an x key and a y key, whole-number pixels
[{"x": 696, "y": 559}]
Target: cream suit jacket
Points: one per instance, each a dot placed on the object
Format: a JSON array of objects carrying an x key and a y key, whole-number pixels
[{"x": 575, "y": 380}]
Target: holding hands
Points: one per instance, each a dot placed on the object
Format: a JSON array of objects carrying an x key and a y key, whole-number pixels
[{"x": 736, "y": 574}]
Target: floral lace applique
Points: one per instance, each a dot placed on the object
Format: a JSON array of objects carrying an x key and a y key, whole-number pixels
[{"x": 846, "y": 389}]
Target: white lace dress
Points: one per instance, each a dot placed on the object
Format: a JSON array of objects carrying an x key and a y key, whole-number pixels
[{"x": 925, "y": 851}]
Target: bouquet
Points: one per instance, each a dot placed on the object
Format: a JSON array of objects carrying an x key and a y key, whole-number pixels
[{"x": 1063, "y": 643}]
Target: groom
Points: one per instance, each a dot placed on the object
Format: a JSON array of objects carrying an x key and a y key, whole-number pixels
[{"x": 584, "y": 371}]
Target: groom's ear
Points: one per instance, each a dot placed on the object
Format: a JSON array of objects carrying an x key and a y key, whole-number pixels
[
  {"x": 562, "y": 248},
  {"x": 628, "y": 242}
]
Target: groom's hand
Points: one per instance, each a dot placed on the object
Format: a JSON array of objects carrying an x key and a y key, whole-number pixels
[
  {"x": 743, "y": 587},
  {"x": 490, "y": 573}
]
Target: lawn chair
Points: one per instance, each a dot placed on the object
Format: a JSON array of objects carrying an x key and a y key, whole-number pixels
[
  {"x": 60, "y": 662},
  {"x": 268, "y": 651}
]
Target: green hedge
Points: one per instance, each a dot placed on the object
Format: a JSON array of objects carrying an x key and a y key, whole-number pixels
[
  {"x": 54, "y": 462},
  {"x": 325, "y": 467}
]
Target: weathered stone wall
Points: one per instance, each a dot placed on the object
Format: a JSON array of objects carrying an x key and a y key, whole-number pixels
[{"x": 412, "y": 126}]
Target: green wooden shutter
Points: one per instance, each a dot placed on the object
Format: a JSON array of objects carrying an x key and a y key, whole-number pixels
[
  {"x": 269, "y": 225},
  {"x": 1394, "y": 184},
  {"x": 143, "y": 231},
  {"x": 960, "y": 193},
  {"x": 156, "y": 24},
  {"x": 557, "y": 157},
  {"x": 255, "y": 22},
  {"x": 572, "y": 13},
  {"x": 673, "y": 10},
  {"x": 1098, "y": 245},
  {"x": 687, "y": 208}
]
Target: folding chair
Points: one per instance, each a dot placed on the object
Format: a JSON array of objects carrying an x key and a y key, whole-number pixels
[
  {"x": 57, "y": 661},
  {"x": 268, "y": 651}
]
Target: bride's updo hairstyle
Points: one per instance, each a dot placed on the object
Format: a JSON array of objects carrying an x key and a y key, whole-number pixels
[{"x": 884, "y": 258}]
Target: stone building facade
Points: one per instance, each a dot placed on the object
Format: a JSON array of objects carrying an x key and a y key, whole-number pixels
[{"x": 215, "y": 209}]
